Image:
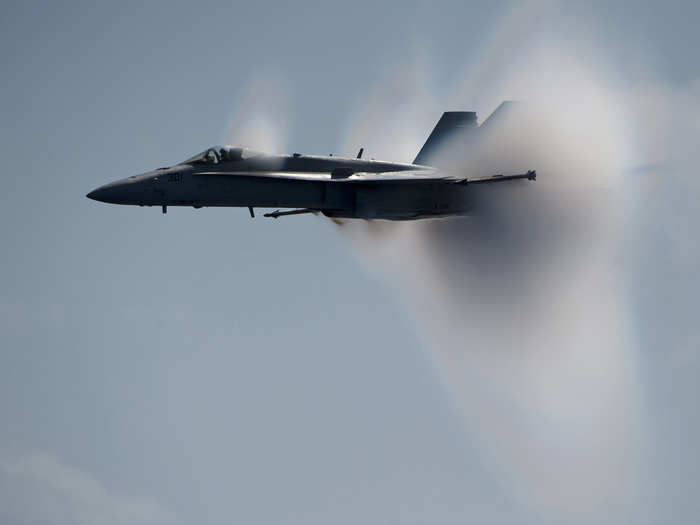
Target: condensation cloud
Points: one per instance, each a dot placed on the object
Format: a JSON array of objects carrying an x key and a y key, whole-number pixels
[
  {"x": 531, "y": 307},
  {"x": 260, "y": 119}
]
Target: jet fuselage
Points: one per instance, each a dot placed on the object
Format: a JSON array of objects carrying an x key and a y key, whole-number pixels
[
  {"x": 325, "y": 184},
  {"x": 335, "y": 186}
]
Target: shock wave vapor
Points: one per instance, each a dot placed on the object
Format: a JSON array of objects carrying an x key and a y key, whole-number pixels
[{"x": 433, "y": 185}]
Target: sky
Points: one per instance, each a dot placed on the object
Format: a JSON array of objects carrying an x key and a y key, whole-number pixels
[{"x": 202, "y": 366}]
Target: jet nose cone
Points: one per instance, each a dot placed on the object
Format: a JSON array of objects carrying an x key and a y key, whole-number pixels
[
  {"x": 100, "y": 194},
  {"x": 117, "y": 192}
]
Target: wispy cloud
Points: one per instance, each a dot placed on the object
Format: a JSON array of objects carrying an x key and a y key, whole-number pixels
[{"x": 39, "y": 488}]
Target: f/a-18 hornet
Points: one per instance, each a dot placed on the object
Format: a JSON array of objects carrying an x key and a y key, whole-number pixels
[{"x": 337, "y": 187}]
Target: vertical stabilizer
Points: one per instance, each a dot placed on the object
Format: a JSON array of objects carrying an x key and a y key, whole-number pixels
[
  {"x": 452, "y": 128},
  {"x": 503, "y": 112}
]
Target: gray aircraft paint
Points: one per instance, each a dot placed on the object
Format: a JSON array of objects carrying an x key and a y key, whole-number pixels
[{"x": 335, "y": 186}]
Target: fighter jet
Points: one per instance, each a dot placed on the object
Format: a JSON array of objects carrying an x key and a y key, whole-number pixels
[{"x": 433, "y": 185}]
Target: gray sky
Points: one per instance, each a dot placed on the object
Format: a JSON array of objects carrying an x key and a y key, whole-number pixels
[{"x": 205, "y": 367}]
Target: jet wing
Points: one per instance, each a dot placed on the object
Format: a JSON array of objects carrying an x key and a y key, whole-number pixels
[
  {"x": 386, "y": 177},
  {"x": 270, "y": 174},
  {"x": 393, "y": 177},
  {"x": 419, "y": 176}
]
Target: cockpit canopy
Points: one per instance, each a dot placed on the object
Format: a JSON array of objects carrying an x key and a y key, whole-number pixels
[{"x": 217, "y": 154}]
